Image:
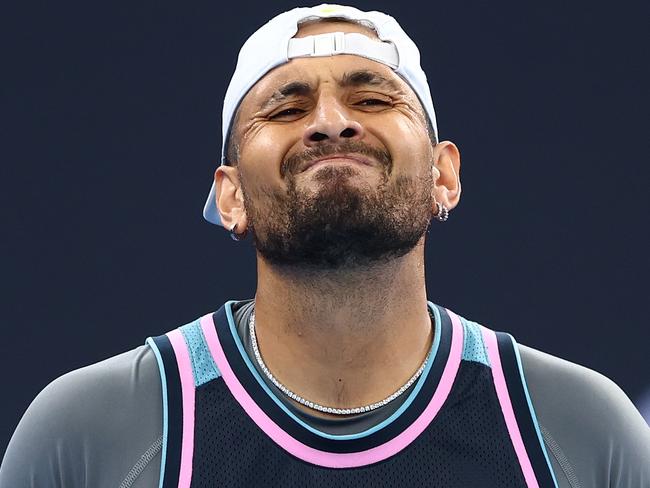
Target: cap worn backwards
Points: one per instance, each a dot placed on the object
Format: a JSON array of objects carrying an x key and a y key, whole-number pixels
[{"x": 274, "y": 44}]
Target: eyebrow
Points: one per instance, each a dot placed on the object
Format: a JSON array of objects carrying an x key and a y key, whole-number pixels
[
  {"x": 365, "y": 77},
  {"x": 351, "y": 79},
  {"x": 286, "y": 91}
]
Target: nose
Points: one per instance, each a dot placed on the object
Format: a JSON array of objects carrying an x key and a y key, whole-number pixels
[{"x": 331, "y": 122}]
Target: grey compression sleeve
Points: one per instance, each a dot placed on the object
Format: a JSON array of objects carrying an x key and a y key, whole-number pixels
[
  {"x": 96, "y": 427},
  {"x": 594, "y": 435}
]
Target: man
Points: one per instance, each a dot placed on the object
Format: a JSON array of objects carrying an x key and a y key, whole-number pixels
[{"x": 339, "y": 372}]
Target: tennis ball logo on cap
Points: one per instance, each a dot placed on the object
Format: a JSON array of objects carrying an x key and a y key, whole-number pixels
[{"x": 329, "y": 9}]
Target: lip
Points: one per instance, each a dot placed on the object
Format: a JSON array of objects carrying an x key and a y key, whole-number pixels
[{"x": 341, "y": 158}]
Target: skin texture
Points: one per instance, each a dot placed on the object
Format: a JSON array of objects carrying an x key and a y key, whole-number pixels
[{"x": 340, "y": 246}]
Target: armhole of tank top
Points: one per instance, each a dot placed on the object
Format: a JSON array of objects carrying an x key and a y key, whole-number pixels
[
  {"x": 491, "y": 344},
  {"x": 531, "y": 409},
  {"x": 178, "y": 409},
  {"x": 163, "y": 380},
  {"x": 517, "y": 409},
  {"x": 188, "y": 396}
]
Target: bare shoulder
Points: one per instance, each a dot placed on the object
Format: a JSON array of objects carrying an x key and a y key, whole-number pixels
[
  {"x": 590, "y": 426},
  {"x": 106, "y": 414}
]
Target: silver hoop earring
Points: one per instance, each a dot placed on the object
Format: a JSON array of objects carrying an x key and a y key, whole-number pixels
[
  {"x": 443, "y": 212},
  {"x": 234, "y": 236}
]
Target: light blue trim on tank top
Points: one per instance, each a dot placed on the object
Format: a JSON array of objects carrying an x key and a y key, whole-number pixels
[
  {"x": 203, "y": 367},
  {"x": 163, "y": 379},
  {"x": 358, "y": 435},
  {"x": 473, "y": 345},
  {"x": 532, "y": 409}
]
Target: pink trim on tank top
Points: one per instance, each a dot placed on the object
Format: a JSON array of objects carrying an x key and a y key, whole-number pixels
[
  {"x": 329, "y": 459},
  {"x": 187, "y": 387},
  {"x": 490, "y": 339}
]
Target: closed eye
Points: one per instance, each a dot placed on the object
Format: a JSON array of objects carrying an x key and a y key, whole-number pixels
[
  {"x": 287, "y": 112},
  {"x": 370, "y": 102}
]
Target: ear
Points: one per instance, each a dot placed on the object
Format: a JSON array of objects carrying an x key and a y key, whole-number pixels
[
  {"x": 446, "y": 160},
  {"x": 230, "y": 198}
]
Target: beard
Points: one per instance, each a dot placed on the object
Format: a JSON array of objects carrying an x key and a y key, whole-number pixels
[{"x": 342, "y": 224}]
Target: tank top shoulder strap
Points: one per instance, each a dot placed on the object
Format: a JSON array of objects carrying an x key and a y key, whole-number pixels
[
  {"x": 185, "y": 363},
  {"x": 502, "y": 354}
]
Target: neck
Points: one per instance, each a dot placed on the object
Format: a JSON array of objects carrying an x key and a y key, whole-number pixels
[{"x": 344, "y": 338}]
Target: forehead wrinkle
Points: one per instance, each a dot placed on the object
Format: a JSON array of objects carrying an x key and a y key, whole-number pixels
[{"x": 349, "y": 79}]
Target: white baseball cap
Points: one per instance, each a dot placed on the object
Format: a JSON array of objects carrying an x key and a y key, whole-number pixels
[{"x": 273, "y": 44}]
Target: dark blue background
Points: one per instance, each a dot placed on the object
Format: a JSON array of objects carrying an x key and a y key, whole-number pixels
[{"x": 110, "y": 126}]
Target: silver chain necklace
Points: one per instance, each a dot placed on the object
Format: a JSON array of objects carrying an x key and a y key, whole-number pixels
[{"x": 316, "y": 406}]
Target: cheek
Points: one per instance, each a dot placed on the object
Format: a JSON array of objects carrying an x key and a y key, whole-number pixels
[
  {"x": 260, "y": 146},
  {"x": 409, "y": 144},
  {"x": 265, "y": 148},
  {"x": 262, "y": 153}
]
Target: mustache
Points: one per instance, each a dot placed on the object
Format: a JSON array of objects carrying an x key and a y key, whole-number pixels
[{"x": 293, "y": 164}]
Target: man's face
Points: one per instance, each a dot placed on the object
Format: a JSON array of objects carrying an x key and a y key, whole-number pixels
[{"x": 335, "y": 161}]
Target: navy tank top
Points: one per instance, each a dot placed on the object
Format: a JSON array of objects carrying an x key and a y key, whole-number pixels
[{"x": 468, "y": 422}]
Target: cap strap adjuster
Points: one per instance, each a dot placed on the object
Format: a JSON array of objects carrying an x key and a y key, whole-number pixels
[
  {"x": 328, "y": 44},
  {"x": 332, "y": 43}
]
